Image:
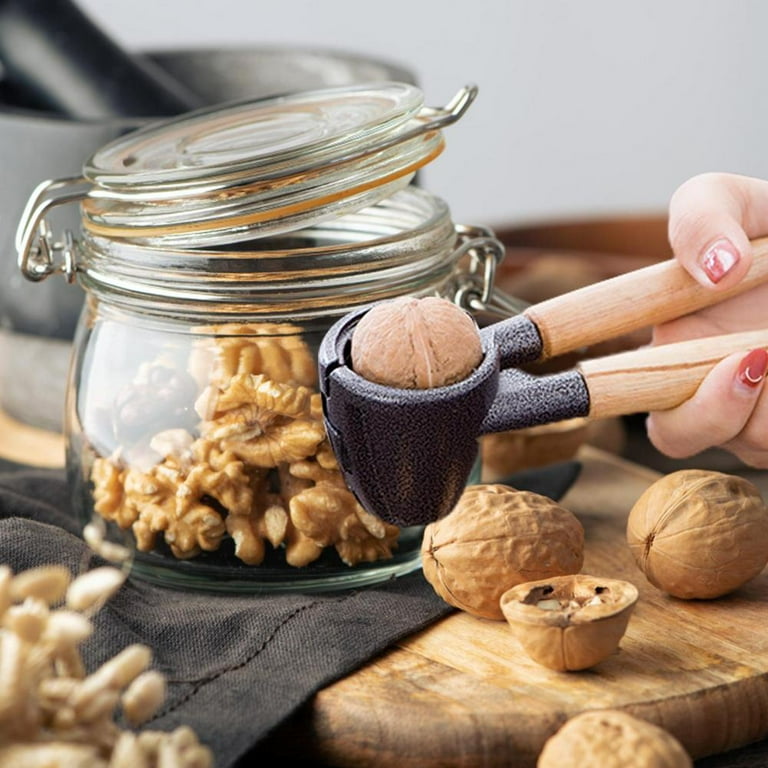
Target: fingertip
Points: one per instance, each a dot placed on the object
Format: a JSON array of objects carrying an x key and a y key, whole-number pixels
[
  {"x": 718, "y": 259},
  {"x": 723, "y": 262},
  {"x": 720, "y": 263},
  {"x": 716, "y": 412},
  {"x": 667, "y": 438},
  {"x": 752, "y": 370},
  {"x": 706, "y": 230}
]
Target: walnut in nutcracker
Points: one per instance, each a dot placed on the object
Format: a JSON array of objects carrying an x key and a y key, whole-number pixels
[
  {"x": 699, "y": 533},
  {"x": 416, "y": 343},
  {"x": 497, "y": 537}
]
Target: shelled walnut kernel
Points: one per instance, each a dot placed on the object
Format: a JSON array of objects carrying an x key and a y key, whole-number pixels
[
  {"x": 257, "y": 467},
  {"x": 52, "y": 712}
]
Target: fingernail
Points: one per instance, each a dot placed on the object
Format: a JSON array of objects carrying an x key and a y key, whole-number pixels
[
  {"x": 719, "y": 259},
  {"x": 753, "y": 367}
]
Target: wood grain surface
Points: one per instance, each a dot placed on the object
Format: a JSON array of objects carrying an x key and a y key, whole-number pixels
[
  {"x": 23, "y": 444},
  {"x": 463, "y": 694},
  {"x": 631, "y": 301},
  {"x": 655, "y": 378}
]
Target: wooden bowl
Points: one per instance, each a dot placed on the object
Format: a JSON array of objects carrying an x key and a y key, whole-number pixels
[{"x": 504, "y": 453}]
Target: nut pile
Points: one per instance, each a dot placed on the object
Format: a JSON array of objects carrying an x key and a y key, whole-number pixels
[
  {"x": 55, "y": 714},
  {"x": 507, "y": 554},
  {"x": 250, "y": 461},
  {"x": 693, "y": 533}
]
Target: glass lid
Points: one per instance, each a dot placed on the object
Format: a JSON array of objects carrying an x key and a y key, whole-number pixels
[
  {"x": 262, "y": 137},
  {"x": 249, "y": 169}
]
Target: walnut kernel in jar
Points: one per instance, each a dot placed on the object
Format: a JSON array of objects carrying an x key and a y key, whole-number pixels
[{"x": 232, "y": 447}]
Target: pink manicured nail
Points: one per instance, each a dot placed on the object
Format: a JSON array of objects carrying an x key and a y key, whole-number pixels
[
  {"x": 753, "y": 367},
  {"x": 719, "y": 259}
]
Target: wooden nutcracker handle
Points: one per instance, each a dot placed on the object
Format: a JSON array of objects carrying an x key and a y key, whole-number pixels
[
  {"x": 628, "y": 302},
  {"x": 657, "y": 378}
]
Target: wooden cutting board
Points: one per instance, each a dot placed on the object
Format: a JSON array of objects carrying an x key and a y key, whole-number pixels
[{"x": 462, "y": 693}]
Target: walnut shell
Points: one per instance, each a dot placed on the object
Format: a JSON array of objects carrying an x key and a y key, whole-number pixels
[
  {"x": 494, "y": 538},
  {"x": 699, "y": 533},
  {"x": 572, "y": 622},
  {"x": 611, "y": 738}
]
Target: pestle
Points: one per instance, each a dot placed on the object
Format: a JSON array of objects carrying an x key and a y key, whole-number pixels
[{"x": 54, "y": 58}]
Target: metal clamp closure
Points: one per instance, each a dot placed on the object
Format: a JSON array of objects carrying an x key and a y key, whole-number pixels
[
  {"x": 477, "y": 257},
  {"x": 428, "y": 120},
  {"x": 39, "y": 253},
  {"x": 439, "y": 117}
]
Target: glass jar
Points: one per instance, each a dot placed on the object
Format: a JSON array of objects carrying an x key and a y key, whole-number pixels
[{"x": 193, "y": 417}]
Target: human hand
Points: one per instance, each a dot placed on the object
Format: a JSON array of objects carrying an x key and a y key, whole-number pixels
[{"x": 711, "y": 220}]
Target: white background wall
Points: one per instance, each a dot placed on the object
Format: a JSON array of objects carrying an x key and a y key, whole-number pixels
[{"x": 586, "y": 107}]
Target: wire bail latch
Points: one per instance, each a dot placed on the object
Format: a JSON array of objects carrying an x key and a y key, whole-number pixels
[{"x": 39, "y": 252}]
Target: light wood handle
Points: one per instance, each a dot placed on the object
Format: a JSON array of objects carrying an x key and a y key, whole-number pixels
[
  {"x": 631, "y": 301},
  {"x": 658, "y": 378}
]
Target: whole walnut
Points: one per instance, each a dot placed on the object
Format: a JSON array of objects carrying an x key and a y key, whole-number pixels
[
  {"x": 495, "y": 538},
  {"x": 611, "y": 738},
  {"x": 416, "y": 343},
  {"x": 699, "y": 533}
]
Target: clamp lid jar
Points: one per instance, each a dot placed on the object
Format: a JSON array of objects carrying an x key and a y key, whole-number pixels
[
  {"x": 194, "y": 424},
  {"x": 244, "y": 170}
]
